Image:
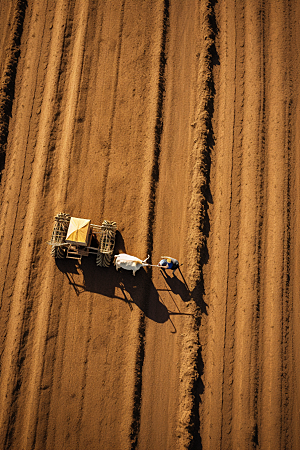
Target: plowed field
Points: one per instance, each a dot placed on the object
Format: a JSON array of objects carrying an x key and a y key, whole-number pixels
[{"x": 179, "y": 120}]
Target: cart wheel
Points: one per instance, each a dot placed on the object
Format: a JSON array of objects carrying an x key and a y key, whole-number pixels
[
  {"x": 58, "y": 252},
  {"x": 103, "y": 259},
  {"x": 107, "y": 260},
  {"x": 63, "y": 216},
  {"x": 109, "y": 224},
  {"x": 100, "y": 260}
]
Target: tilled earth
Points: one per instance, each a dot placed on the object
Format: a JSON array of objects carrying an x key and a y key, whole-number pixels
[{"x": 179, "y": 121}]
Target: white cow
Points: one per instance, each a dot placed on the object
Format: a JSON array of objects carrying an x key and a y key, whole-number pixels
[{"x": 129, "y": 262}]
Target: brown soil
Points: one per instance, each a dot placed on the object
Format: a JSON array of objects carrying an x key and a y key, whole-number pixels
[{"x": 179, "y": 121}]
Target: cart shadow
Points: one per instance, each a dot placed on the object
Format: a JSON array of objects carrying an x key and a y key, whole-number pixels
[{"x": 121, "y": 285}]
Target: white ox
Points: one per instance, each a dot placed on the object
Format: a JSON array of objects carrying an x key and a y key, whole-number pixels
[{"x": 129, "y": 262}]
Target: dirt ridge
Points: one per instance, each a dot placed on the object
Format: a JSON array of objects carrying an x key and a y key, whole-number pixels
[
  {"x": 20, "y": 299},
  {"x": 65, "y": 149},
  {"x": 192, "y": 364},
  {"x": 7, "y": 88}
]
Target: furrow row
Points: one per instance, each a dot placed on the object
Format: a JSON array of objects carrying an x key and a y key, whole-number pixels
[
  {"x": 20, "y": 300},
  {"x": 191, "y": 371},
  {"x": 246, "y": 396},
  {"x": 7, "y": 88},
  {"x": 40, "y": 329},
  {"x": 154, "y": 180},
  {"x": 217, "y": 272}
]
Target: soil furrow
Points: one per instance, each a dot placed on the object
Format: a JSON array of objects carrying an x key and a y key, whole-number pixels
[
  {"x": 203, "y": 144},
  {"x": 294, "y": 438},
  {"x": 183, "y": 129},
  {"x": 12, "y": 210},
  {"x": 40, "y": 329},
  {"x": 8, "y": 77},
  {"x": 158, "y": 126},
  {"x": 234, "y": 228},
  {"x": 138, "y": 376},
  {"x": 18, "y": 301},
  {"x": 273, "y": 269},
  {"x": 260, "y": 220},
  {"x": 6, "y": 14},
  {"x": 114, "y": 102},
  {"x": 94, "y": 152},
  {"x": 245, "y": 353},
  {"x": 288, "y": 369},
  {"x": 222, "y": 193},
  {"x": 154, "y": 180}
]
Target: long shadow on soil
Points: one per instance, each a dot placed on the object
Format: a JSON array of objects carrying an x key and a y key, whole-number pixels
[
  {"x": 176, "y": 284},
  {"x": 106, "y": 281}
]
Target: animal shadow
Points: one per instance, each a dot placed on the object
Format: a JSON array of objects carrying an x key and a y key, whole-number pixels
[{"x": 109, "y": 282}]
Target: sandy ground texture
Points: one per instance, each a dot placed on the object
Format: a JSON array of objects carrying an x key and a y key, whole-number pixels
[{"x": 179, "y": 121}]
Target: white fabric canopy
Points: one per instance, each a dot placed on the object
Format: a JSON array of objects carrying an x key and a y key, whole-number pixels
[{"x": 78, "y": 231}]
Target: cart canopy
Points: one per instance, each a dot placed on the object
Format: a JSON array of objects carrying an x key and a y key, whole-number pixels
[{"x": 78, "y": 231}]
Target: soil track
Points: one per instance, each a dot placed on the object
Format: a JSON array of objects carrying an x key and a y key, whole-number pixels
[{"x": 178, "y": 120}]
